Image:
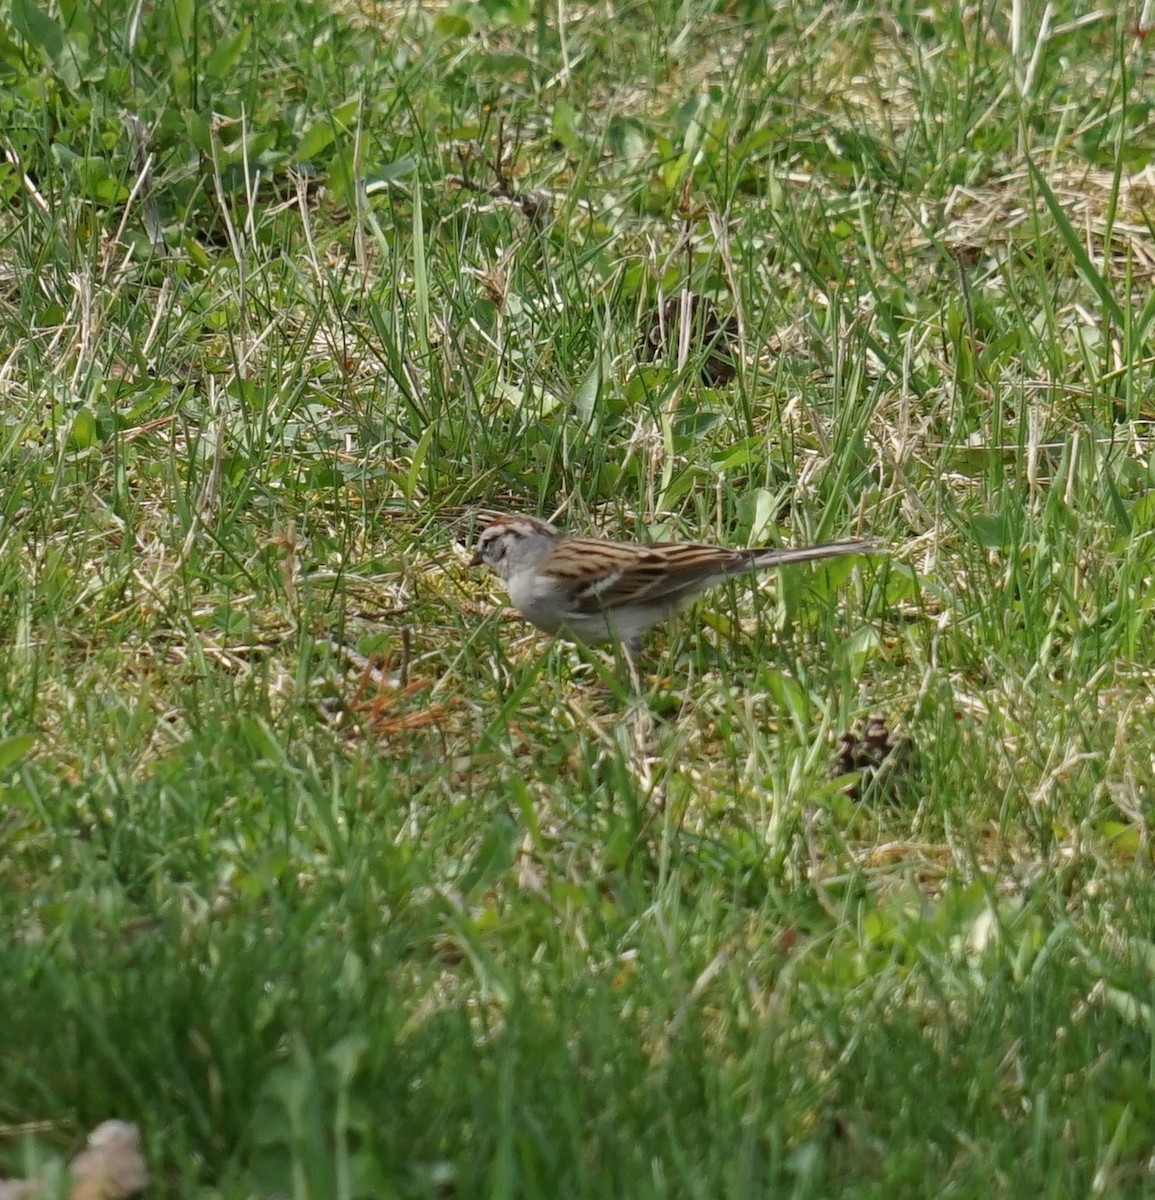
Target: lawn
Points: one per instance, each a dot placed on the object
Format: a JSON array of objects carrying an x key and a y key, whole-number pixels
[{"x": 340, "y": 880}]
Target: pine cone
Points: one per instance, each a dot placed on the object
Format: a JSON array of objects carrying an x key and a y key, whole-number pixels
[{"x": 872, "y": 751}]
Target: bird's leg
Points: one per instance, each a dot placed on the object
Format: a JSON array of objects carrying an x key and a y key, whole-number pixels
[
  {"x": 630, "y": 650},
  {"x": 639, "y": 721}
]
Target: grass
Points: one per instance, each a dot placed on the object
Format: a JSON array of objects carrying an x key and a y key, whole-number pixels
[{"x": 340, "y": 881}]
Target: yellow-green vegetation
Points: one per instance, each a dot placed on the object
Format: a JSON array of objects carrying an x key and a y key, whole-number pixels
[{"x": 341, "y": 882}]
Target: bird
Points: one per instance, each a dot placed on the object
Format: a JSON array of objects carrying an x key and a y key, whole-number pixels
[{"x": 598, "y": 590}]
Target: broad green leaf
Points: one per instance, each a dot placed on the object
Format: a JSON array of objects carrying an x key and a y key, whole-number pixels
[
  {"x": 382, "y": 177},
  {"x": 564, "y": 126},
  {"x": 412, "y": 475},
  {"x": 1132, "y": 1010},
  {"x": 585, "y": 398},
  {"x": 790, "y": 696},
  {"x": 862, "y": 645},
  {"x": 220, "y": 63},
  {"x": 185, "y": 12},
  {"x": 324, "y": 131},
  {"x": 452, "y": 25},
  {"x": 83, "y": 432},
  {"x": 992, "y": 530},
  {"x": 628, "y": 142},
  {"x": 38, "y": 29},
  {"x": 198, "y": 131},
  {"x": 13, "y": 749},
  {"x": 757, "y": 510},
  {"x": 316, "y": 138}
]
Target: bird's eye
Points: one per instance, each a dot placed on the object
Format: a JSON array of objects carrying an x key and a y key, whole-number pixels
[{"x": 499, "y": 550}]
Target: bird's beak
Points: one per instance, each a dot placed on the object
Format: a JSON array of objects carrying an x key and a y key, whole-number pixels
[{"x": 476, "y": 560}]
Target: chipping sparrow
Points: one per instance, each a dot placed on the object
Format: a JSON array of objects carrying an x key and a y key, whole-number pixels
[{"x": 599, "y": 590}]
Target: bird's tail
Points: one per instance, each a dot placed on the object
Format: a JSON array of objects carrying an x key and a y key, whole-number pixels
[{"x": 760, "y": 560}]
